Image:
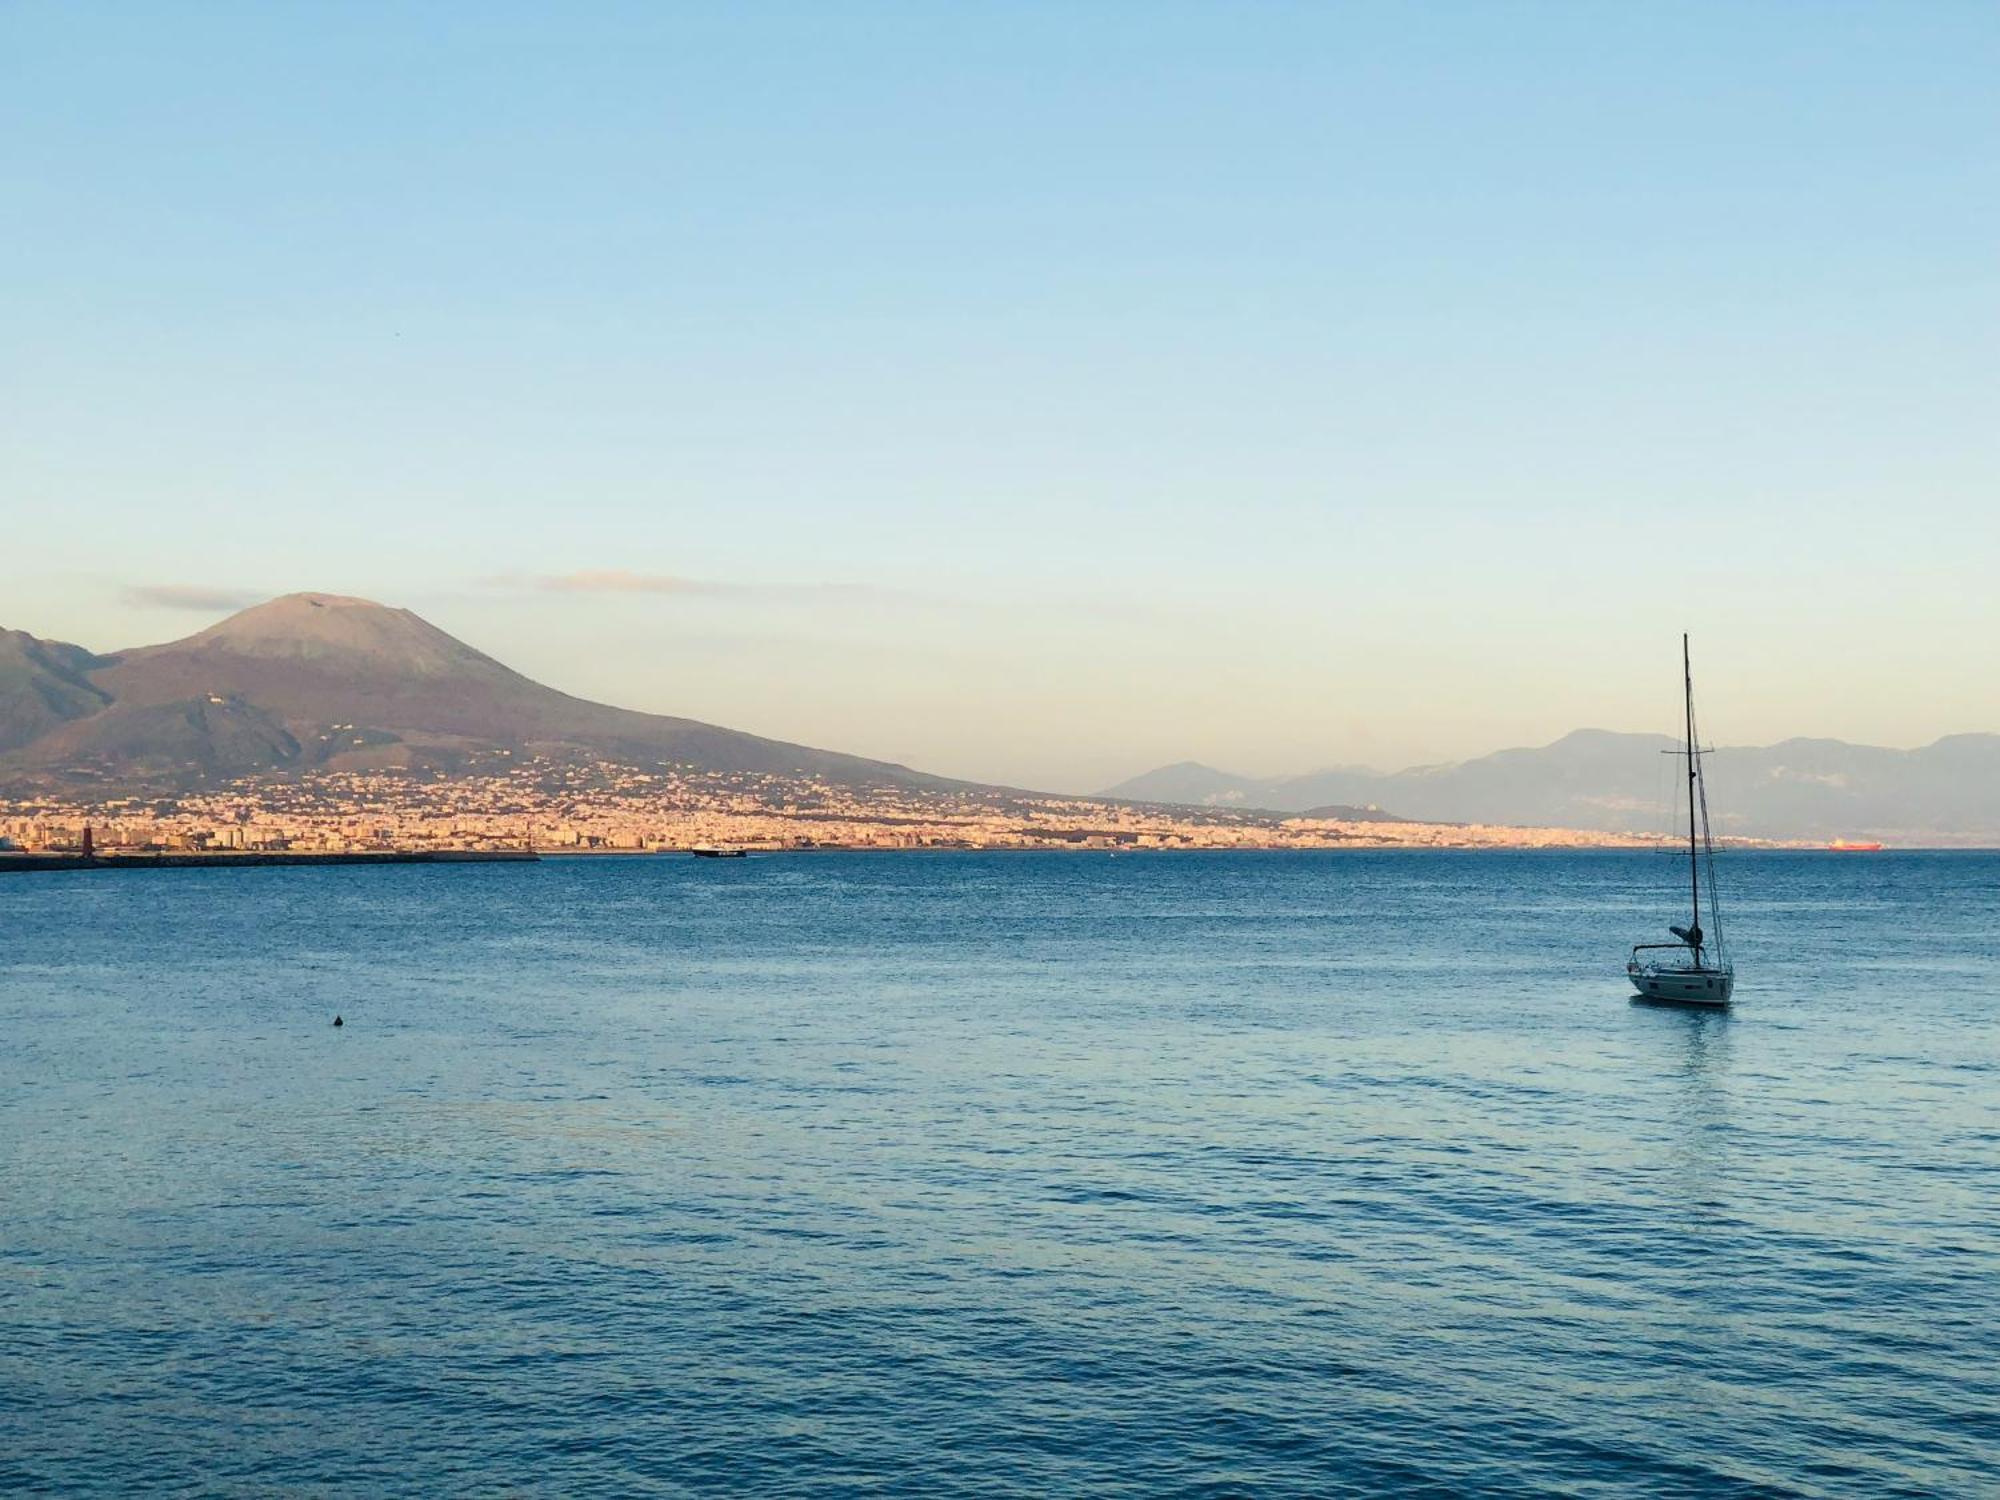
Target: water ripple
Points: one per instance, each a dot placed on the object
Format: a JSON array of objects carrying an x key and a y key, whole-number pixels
[{"x": 966, "y": 1175}]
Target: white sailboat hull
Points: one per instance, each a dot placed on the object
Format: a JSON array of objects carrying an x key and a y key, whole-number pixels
[{"x": 1684, "y": 986}]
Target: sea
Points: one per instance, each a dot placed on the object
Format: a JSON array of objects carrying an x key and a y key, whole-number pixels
[{"x": 996, "y": 1174}]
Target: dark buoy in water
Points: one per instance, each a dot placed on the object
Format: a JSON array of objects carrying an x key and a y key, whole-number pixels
[{"x": 338, "y": 1022}]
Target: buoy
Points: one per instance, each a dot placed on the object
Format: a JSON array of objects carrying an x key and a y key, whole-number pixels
[{"x": 338, "y": 1022}]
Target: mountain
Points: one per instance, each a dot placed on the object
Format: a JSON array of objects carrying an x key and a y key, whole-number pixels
[
  {"x": 43, "y": 685},
  {"x": 1594, "y": 778},
  {"x": 319, "y": 680},
  {"x": 1193, "y": 783}
]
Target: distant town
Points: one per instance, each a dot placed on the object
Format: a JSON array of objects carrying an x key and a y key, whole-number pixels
[
  {"x": 555, "y": 807},
  {"x": 324, "y": 724}
]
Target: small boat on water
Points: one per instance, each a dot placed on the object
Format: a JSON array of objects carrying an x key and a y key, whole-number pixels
[
  {"x": 1694, "y": 969},
  {"x": 715, "y": 851}
]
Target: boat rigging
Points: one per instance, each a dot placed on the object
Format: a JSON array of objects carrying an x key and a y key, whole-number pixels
[{"x": 1695, "y": 969}]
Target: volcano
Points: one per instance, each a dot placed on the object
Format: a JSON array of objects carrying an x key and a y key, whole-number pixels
[{"x": 325, "y": 681}]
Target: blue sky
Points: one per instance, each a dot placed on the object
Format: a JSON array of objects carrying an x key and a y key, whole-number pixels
[{"x": 1035, "y": 392}]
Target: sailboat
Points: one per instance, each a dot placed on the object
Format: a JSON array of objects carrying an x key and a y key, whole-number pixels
[{"x": 1694, "y": 969}]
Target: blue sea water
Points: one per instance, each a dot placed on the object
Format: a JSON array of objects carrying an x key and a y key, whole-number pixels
[{"x": 976, "y": 1174}]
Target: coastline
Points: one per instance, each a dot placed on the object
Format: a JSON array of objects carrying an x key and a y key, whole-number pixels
[
  {"x": 25, "y": 862},
  {"x": 29, "y": 862}
]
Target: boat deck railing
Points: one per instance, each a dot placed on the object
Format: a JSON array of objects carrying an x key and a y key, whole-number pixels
[{"x": 1656, "y": 958}]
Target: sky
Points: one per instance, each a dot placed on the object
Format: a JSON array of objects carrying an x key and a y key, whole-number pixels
[{"x": 1033, "y": 393}]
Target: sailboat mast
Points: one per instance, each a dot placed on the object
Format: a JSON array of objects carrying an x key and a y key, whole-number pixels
[{"x": 1694, "y": 864}]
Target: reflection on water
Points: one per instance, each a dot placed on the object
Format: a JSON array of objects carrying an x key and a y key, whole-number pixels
[
  {"x": 966, "y": 1174},
  {"x": 1697, "y": 1055}
]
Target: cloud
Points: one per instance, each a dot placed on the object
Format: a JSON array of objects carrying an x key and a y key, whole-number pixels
[
  {"x": 622, "y": 581},
  {"x": 625, "y": 581},
  {"x": 190, "y": 596}
]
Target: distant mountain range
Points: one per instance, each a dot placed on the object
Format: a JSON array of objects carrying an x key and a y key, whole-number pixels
[
  {"x": 1948, "y": 792},
  {"x": 321, "y": 681}
]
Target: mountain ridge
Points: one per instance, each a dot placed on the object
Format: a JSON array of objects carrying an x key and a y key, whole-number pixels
[
  {"x": 1803, "y": 787},
  {"x": 329, "y": 681}
]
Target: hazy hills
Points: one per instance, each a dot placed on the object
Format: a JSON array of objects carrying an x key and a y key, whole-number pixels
[
  {"x": 318, "y": 680},
  {"x": 1594, "y": 778}
]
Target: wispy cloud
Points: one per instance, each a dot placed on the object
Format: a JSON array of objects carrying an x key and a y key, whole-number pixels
[
  {"x": 190, "y": 596},
  {"x": 625, "y": 581}
]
